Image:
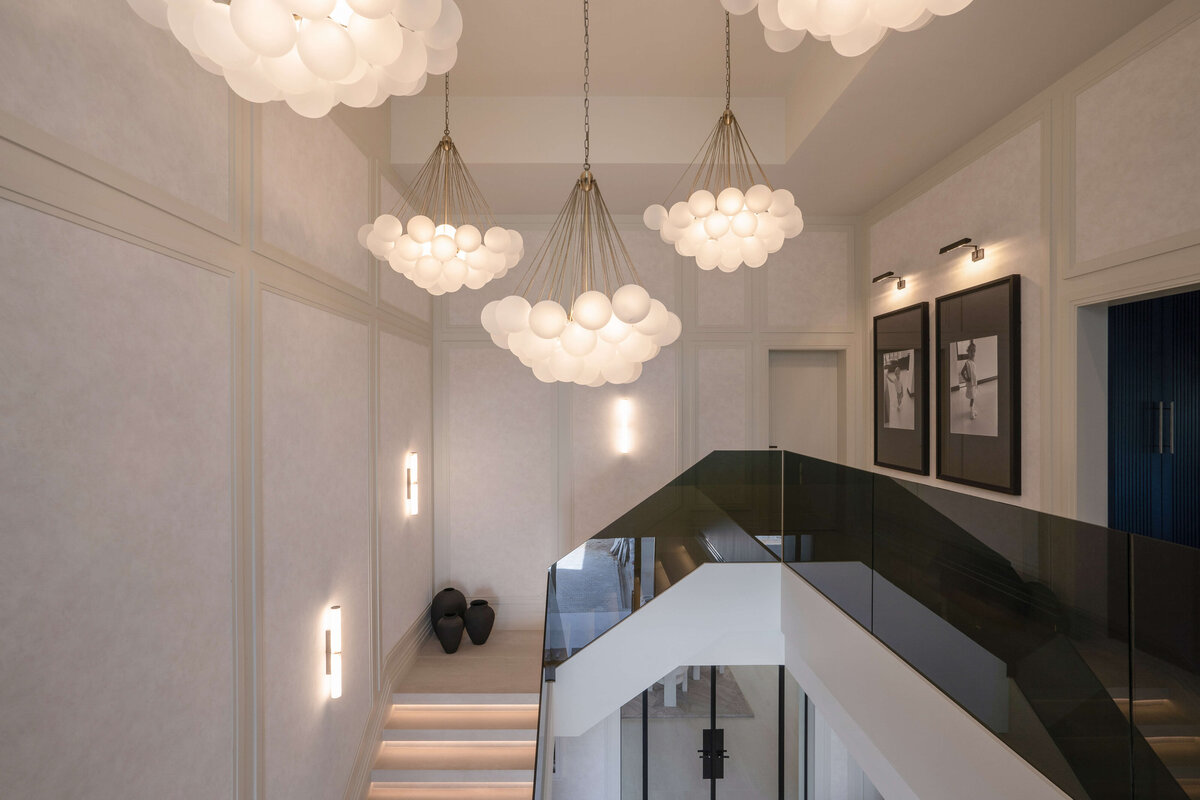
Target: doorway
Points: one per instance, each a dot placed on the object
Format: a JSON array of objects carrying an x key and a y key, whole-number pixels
[{"x": 807, "y": 402}]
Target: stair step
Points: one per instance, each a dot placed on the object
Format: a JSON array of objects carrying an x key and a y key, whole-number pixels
[
  {"x": 458, "y": 756},
  {"x": 477, "y": 716},
  {"x": 1176, "y": 751},
  {"x": 427, "y": 776},
  {"x": 451, "y": 791},
  {"x": 467, "y": 698},
  {"x": 458, "y": 735}
]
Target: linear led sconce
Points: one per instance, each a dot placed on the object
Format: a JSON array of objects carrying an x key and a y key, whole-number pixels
[
  {"x": 410, "y": 484},
  {"x": 976, "y": 250},
  {"x": 624, "y": 431},
  {"x": 899, "y": 281},
  {"x": 333, "y": 651}
]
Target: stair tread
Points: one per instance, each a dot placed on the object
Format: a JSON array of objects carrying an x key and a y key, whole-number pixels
[
  {"x": 451, "y": 791},
  {"x": 463, "y": 716},
  {"x": 492, "y": 755},
  {"x": 470, "y": 698}
]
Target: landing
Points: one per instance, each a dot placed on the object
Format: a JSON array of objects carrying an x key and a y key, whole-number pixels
[{"x": 509, "y": 662}]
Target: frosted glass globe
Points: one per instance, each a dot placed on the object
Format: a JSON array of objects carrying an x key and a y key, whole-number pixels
[
  {"x": 577, "y": 340},
  {"x": 389, "y": 227},
  {"x": 532, "y": 346},
  {"x": 429, "y": 268},
  {"x": 615, "y": 331},
  {"x": 313, "y": 9},
  {"x": 655, "y": 321},
  {"x": 264, "y": 25},
  {"x": 487, "y": 317},
  {"x": 592, "y": 310},
  {"x": 399, "y": 263},
  {"x": 729, "y": 201},
  {"x": 541, "y": 371},
  {"x": 797, "y": 14},
  {"x": 446, "y": 31},
  {"x": 839, "y": 17},
  {"x": 896, "y": 13},
  {"x": 618, "y": 371},
  {"x": 444, "y": 249},
  {"x": 547, "y": 319},
  {"x": 793, "y": 223},
  {"x": 153, "y": 11},
  {"x": 410, "y": 66},
  {"x": 253, "y": 84},
  {"x": 499, "y": 339},
  {"x": 468, "y": 238},
  {"x": 181, "y": 17},
  {"x": 670, "y": 333},
  {"x": 637, "y": 347},
  {"x": 314, "y": 104},
  {"x": 513, "y": 313},
  {"x": 631, "y": 303},
  {"x": 516, "y": 242},
  {"x": 326, "y": 49},
  {"x": 565, "y": 366},
  {"x": 784, "y": 41},
  {"x": 476, "y": 278},
  {"x": 859, "y": 40},
  {"x": 455, "y": 269},
  {"x": 215, "y": 35},
  {"x": 680, "y": 216},
  {"x": 921, "y": 21},
  {"x": 371, "y": 8},
  {"x": 708, "y": 256},
  {"x": 754, "y": 252},
  {"x": 289, "y": 73},
  {"x": 946, "y": 7},
  {"x": 363, "y": 231},
  {"x": 768, "y": 15},
  {"x": 744, "y": 224},
  {"x": 439, "y": 62},
  {"x": 739, "y": 6},
  {"x": 701, "y": 203},
  {"x": 496, "y": 239},
  {"x": 409, "y": 249},
  {"x": 717, "y": 225},
  {"x": 378, "y": 40},
  {"x": 781, "y": 202},
  {"x": 654, "y": 217},
  {"x": 418, "y": 15},
  {"x": 361, "y": 93},
  {"x": 421, "y": 229},
  {"x": 758, "y": 198}
]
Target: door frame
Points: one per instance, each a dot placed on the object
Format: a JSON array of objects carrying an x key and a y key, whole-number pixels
[{"x": 849, "y": 391}]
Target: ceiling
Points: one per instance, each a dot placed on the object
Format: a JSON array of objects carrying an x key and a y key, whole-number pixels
[{"x": 857, "y": 132}]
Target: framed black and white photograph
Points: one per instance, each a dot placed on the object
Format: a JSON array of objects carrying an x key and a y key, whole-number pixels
[
  {"x": 902, "y": 389},
  {"x": 979, "y": 386}
]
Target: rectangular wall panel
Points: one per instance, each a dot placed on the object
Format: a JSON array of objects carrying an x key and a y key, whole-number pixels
[
  {"x": 406, "y": 542},
  {"x": 315, "y": 543},
  {"x": 808, "y": 283},
  {"x": 501, "y": 452},
  {"x": 722, "y": 398},
  {"x": 116, "y": 518},
  {"x": 721, "y": 297},
  {"x": 303, "y": 160},
  {"x": 83, "y": 77},
  {"x": 1137, "y": 151}
]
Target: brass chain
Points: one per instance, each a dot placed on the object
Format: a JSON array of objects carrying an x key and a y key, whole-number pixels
[
  {"x": 726, "y": 60},
  {"x": 587, "y": 70},
  {"x": 447, "y": 131}
]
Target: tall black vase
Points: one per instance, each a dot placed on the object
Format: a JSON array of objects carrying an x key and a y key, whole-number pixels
[
  {"x": 449, "y": 630},
  {"x": 447, "y": 601},
  {"x": 479, "y": 620}
]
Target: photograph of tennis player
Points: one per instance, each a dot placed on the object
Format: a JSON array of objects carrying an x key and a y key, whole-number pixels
[
  {"x": 899, "y": 391},
  {"x": 974, "y": 387}
]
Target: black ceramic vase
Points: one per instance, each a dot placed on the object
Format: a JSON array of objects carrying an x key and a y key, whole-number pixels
[
  {"x": 449, "y": 629},
  {"x": 447, "y": 601},
  {"x": 479, "y": 619}
]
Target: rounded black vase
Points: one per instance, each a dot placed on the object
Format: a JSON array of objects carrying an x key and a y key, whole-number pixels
[
  {"x": 447, "y": 601},
  {"x": 479, "y": 619},
  {"x": 449, "y": 630}
]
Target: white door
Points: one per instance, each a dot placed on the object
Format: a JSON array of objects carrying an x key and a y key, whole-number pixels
[{"x": 807, "y": 393}]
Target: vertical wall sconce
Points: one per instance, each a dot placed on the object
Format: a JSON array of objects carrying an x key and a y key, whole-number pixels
[
  {"x": 624, "y": 427},
  {"x": 333, "y": 651},
  {"x": 410, "y": 485}
]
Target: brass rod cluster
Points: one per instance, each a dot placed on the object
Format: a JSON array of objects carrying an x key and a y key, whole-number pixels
[
  {"x": 582, "y": 251},
  {"x": 445, "y": 191}
]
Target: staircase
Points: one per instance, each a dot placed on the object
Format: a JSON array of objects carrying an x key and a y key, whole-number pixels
[{"x": 463, "y": 726}]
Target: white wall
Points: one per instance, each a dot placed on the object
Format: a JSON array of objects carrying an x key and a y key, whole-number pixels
[
  {"x": 207, "y": 391},
  {"x": 527, "y": 470},
  {"x": 1087, "y": 191}
]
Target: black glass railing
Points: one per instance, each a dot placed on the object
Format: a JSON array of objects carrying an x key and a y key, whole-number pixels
[{"x": 1076, "y": 645}]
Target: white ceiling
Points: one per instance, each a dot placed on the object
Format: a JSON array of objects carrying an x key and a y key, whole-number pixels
[{"x": 857, "y": 133}]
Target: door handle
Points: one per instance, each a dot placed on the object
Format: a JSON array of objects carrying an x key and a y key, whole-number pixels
[{"x": 1171, "y": 446}]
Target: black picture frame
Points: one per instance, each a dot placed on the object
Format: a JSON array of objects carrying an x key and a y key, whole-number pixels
[
  {"x": 896, "y": 333},
  {"x": 978, "y": 413}
]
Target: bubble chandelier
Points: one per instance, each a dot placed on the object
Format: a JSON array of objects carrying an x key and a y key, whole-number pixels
[
  {"x": 718, "y": 224},
  {"x": 853, "y": 26},
  {"x": 452, "y": 240},
  {"x": 314, "y": 54},
  {"x": 591, "y": 322}
]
